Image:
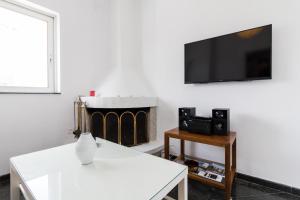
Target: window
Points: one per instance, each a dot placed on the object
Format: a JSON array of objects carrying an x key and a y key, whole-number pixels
[{"x": 29, "y": 48}]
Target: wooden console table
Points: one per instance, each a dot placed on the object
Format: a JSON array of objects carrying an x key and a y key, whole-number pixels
[{"x": 228, "y": 142}]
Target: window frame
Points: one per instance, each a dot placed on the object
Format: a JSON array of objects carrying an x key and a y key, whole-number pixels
[{"x": 53, "y": 45}]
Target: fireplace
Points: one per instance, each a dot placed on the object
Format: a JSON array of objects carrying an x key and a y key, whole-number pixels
[
  {"x": 125, "y": 97},
  {"x": 126, "y": 121},
  {"x": 126, "y": 126}
]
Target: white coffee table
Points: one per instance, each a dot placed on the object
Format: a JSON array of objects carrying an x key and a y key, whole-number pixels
[{"x": 118, "y": 173}]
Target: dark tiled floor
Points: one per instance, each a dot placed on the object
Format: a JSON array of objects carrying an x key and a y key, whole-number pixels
[
  {"x": 242, "y": 190},
  {"x": 4, "y": 190}
]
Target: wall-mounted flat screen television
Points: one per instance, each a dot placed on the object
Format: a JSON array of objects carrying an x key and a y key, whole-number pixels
[{"x": 240, "y": 56}]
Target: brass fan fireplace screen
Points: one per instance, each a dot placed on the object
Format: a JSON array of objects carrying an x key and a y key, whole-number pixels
[{"x": 128, "y": 127}]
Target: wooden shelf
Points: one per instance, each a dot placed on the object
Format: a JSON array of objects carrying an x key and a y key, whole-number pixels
[
  {"x": 215, "y": 140},
  {"x": 207, "y": 181}
]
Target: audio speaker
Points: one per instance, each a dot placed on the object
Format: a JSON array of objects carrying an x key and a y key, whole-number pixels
[
  {"x": 185, "y": 114},
  {"x": 221, "y": 121}
]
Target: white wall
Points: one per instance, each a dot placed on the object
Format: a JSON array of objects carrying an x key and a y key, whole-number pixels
[
  {"x": 32, "y": 122},
  {"x": 264, "y": 113}
]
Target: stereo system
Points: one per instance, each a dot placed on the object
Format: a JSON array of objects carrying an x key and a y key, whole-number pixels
[{"x": 218, "y": 124}]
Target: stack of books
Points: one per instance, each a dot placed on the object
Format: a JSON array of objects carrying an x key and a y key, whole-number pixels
[
  {"x": 212, "y": 171},
  {"x": 207, "y": 169}
]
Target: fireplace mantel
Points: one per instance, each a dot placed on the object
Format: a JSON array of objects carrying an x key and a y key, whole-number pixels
[{"x": 119, "y": 102}]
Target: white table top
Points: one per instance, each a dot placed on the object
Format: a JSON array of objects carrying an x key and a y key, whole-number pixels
[{"x": 117, "y": 173}]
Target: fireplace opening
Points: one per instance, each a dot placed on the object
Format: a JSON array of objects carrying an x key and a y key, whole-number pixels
[{"x": 128, "y": 127}]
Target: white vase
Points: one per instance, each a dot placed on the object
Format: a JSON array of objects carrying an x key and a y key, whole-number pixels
[{"x": 86, "y": 148}]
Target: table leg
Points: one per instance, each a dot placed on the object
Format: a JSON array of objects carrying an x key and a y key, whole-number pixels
[
  {"x": 183, "y": 189},
  {"x": 167, "y": 143},
  {"x": 228, "y": 172},
  {"x": 182, "y": 149},
  {"x": 234, "y": 155},
  {"x": 14, "y": 185}
]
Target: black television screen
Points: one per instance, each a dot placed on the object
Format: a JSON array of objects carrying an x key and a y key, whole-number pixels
[{"x": 244, "y": 55}]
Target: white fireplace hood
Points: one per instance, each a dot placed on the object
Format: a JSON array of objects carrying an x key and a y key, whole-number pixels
[
  {"x": 126, "y": 86},
  {"x": 125, "y": 81}
]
